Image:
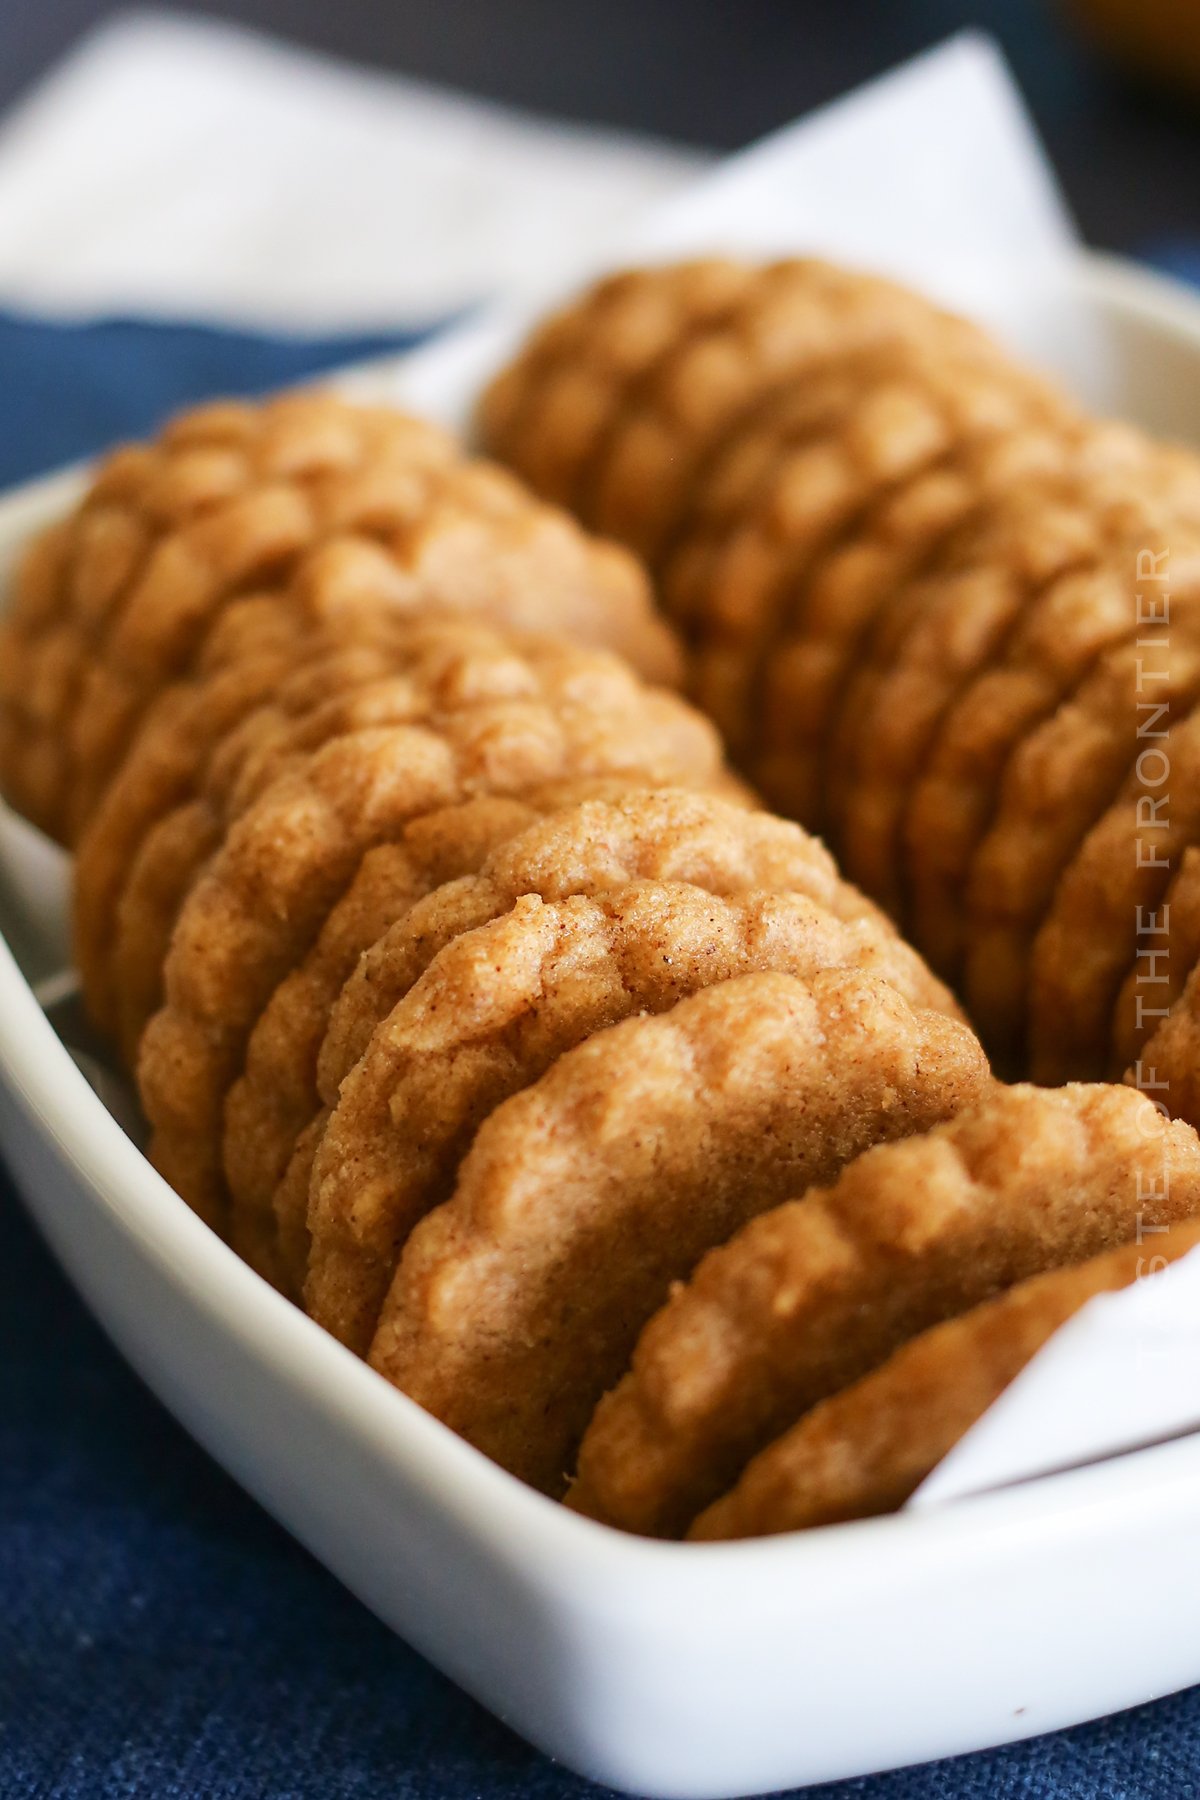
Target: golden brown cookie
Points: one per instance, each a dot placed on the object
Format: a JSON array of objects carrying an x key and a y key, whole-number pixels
[
  {"x": 291, "y": 1241},
  {"x": 384, "y": 672},
  {"x": 793, "y": 318},
  {"x": 764, "y": 852},
  {"x": 390, "y": 672},
  {"x": 928, "y": 638},
  {"x": 490, "y": 1014},
  {"x": 161, "y": 877},
  {"x": 259, "y": 905},
  {"x": 598, "y": 835},
  {"x": 225, "y": 495},
  {"x": 1053, "y": 643},
  {"x": 905, "y": 411},
  {"x": 311, "y": 461},
  {"x": 734, "y": 486},
  {"x": 1010, "y": 566},
  {"x": 668, "y": 835},
  {"x": 548, "y": 413},
  {"x": 1167, "y": 1070},
  {"x": 816, "y": 691},
  {"x": 557, "y": 334},
  {"x": 1164, "y": 958},
  {"x": 814, "y": 1295},
  {"x": 167, "y": 762},
  {"x": 1058, "y": 782},
  {"x": 1107, "y": 903},
  {"x": 81, "y": 564},
  {"x": 465, "y": 537},
  {"x": 867, "y": 1449},
  {"x": 275, "y": 1097},
  {"x": 819, "y": 487},
  {"x": 518, "y": 1301},
  {"x": 85, "y": 557}
]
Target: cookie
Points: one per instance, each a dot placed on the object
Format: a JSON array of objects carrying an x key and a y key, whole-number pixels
[
  {"x": 669, "y": 835},
  {"x": 490, "y": 1014},
  {"x": 464, "y": 537},
  {"x": 733, "y": 488},
  {"x": 1167, "y": 1070},
  {"x": 392, "y": 676},
  {"x": 226, "y": 492},
  {"x": 819, "y": 486},
  {"x": 927, "y": 640},
  {"x": 257, "y": 908},
  {"x": 386, "y": 672},
  {"x": 866, "y": 1450},
  {"x": 1059, "y": 780},
  {"x": 1110, "y": 894},
  {"x": 321, "y": 467},
  {"x": 36, "y": 652},
  {"x": 275, "y": 1097},
  {"x": 600, "y": 834},
  {"x": 936, "y": 636},
  {"x": 548, "y": 413},
  {"x": 817, "y": 1293},
  {"x": 517, "y": 1302},
  {"x": 166, "y": 764},
  {"x": 819, "y": 686},
  {"x": 907, "y": 412},
  {"x": 1168, "y": 949},
  {"x": 557, "y": 335},
  {"x": 794, "y": 316},
  {"x": 79, "y": 566},
  {"x": 712, "y": 851},
  {"x": 1054, "y": 641}
]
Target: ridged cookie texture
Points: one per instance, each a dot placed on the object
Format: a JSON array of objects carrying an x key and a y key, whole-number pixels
[
  {"x": 491, "y": 1013},
  {"x": 119, "y": 599},
  {"x": 815, "y": 1294},
  {"x": 868, "y": 1449},
  {"x": 921, "y": 593},
  {"x": 254, "y": 911},
  {"x": 470, "y": 994},
  {"x": 517, "y": 1302},
  {"x": 447, "y": 874}
]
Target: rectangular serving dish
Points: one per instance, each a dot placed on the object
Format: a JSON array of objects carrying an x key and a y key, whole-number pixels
[{"x": 665, "y": 1669}]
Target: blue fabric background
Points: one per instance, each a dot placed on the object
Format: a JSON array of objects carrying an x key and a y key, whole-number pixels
[{"x": 160, "y": 1637}]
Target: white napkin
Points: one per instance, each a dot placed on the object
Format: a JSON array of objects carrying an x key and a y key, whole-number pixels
[
  {"x": 177, "y": 168},
  {"x": 931, "y": 174},
  {"x": 1121, "y": 1374}
]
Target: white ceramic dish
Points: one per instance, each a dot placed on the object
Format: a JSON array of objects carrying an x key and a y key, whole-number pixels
[{"x": 669, "y": 1669}]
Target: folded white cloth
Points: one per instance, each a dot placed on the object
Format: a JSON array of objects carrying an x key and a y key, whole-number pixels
[{"x": 182, "y": 169}]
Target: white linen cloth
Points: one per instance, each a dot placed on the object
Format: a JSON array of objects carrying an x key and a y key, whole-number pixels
[{"x": 176, "y": 168}]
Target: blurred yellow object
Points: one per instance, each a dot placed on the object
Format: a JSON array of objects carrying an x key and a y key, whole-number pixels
[{"x": 1159, "y": 37}]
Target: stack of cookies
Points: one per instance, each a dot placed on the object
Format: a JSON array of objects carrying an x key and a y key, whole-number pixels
[
  {"x": 939, "y": 615},
  {"x": 467, "y": 992},
  {"x": 819, "y": 1365},
  {"x": 235, "y": 502},
  {"x": 379, "y": 843}
]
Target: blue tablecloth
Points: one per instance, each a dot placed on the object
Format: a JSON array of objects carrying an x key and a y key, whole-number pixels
[{"x": 160, "y": 1637}]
